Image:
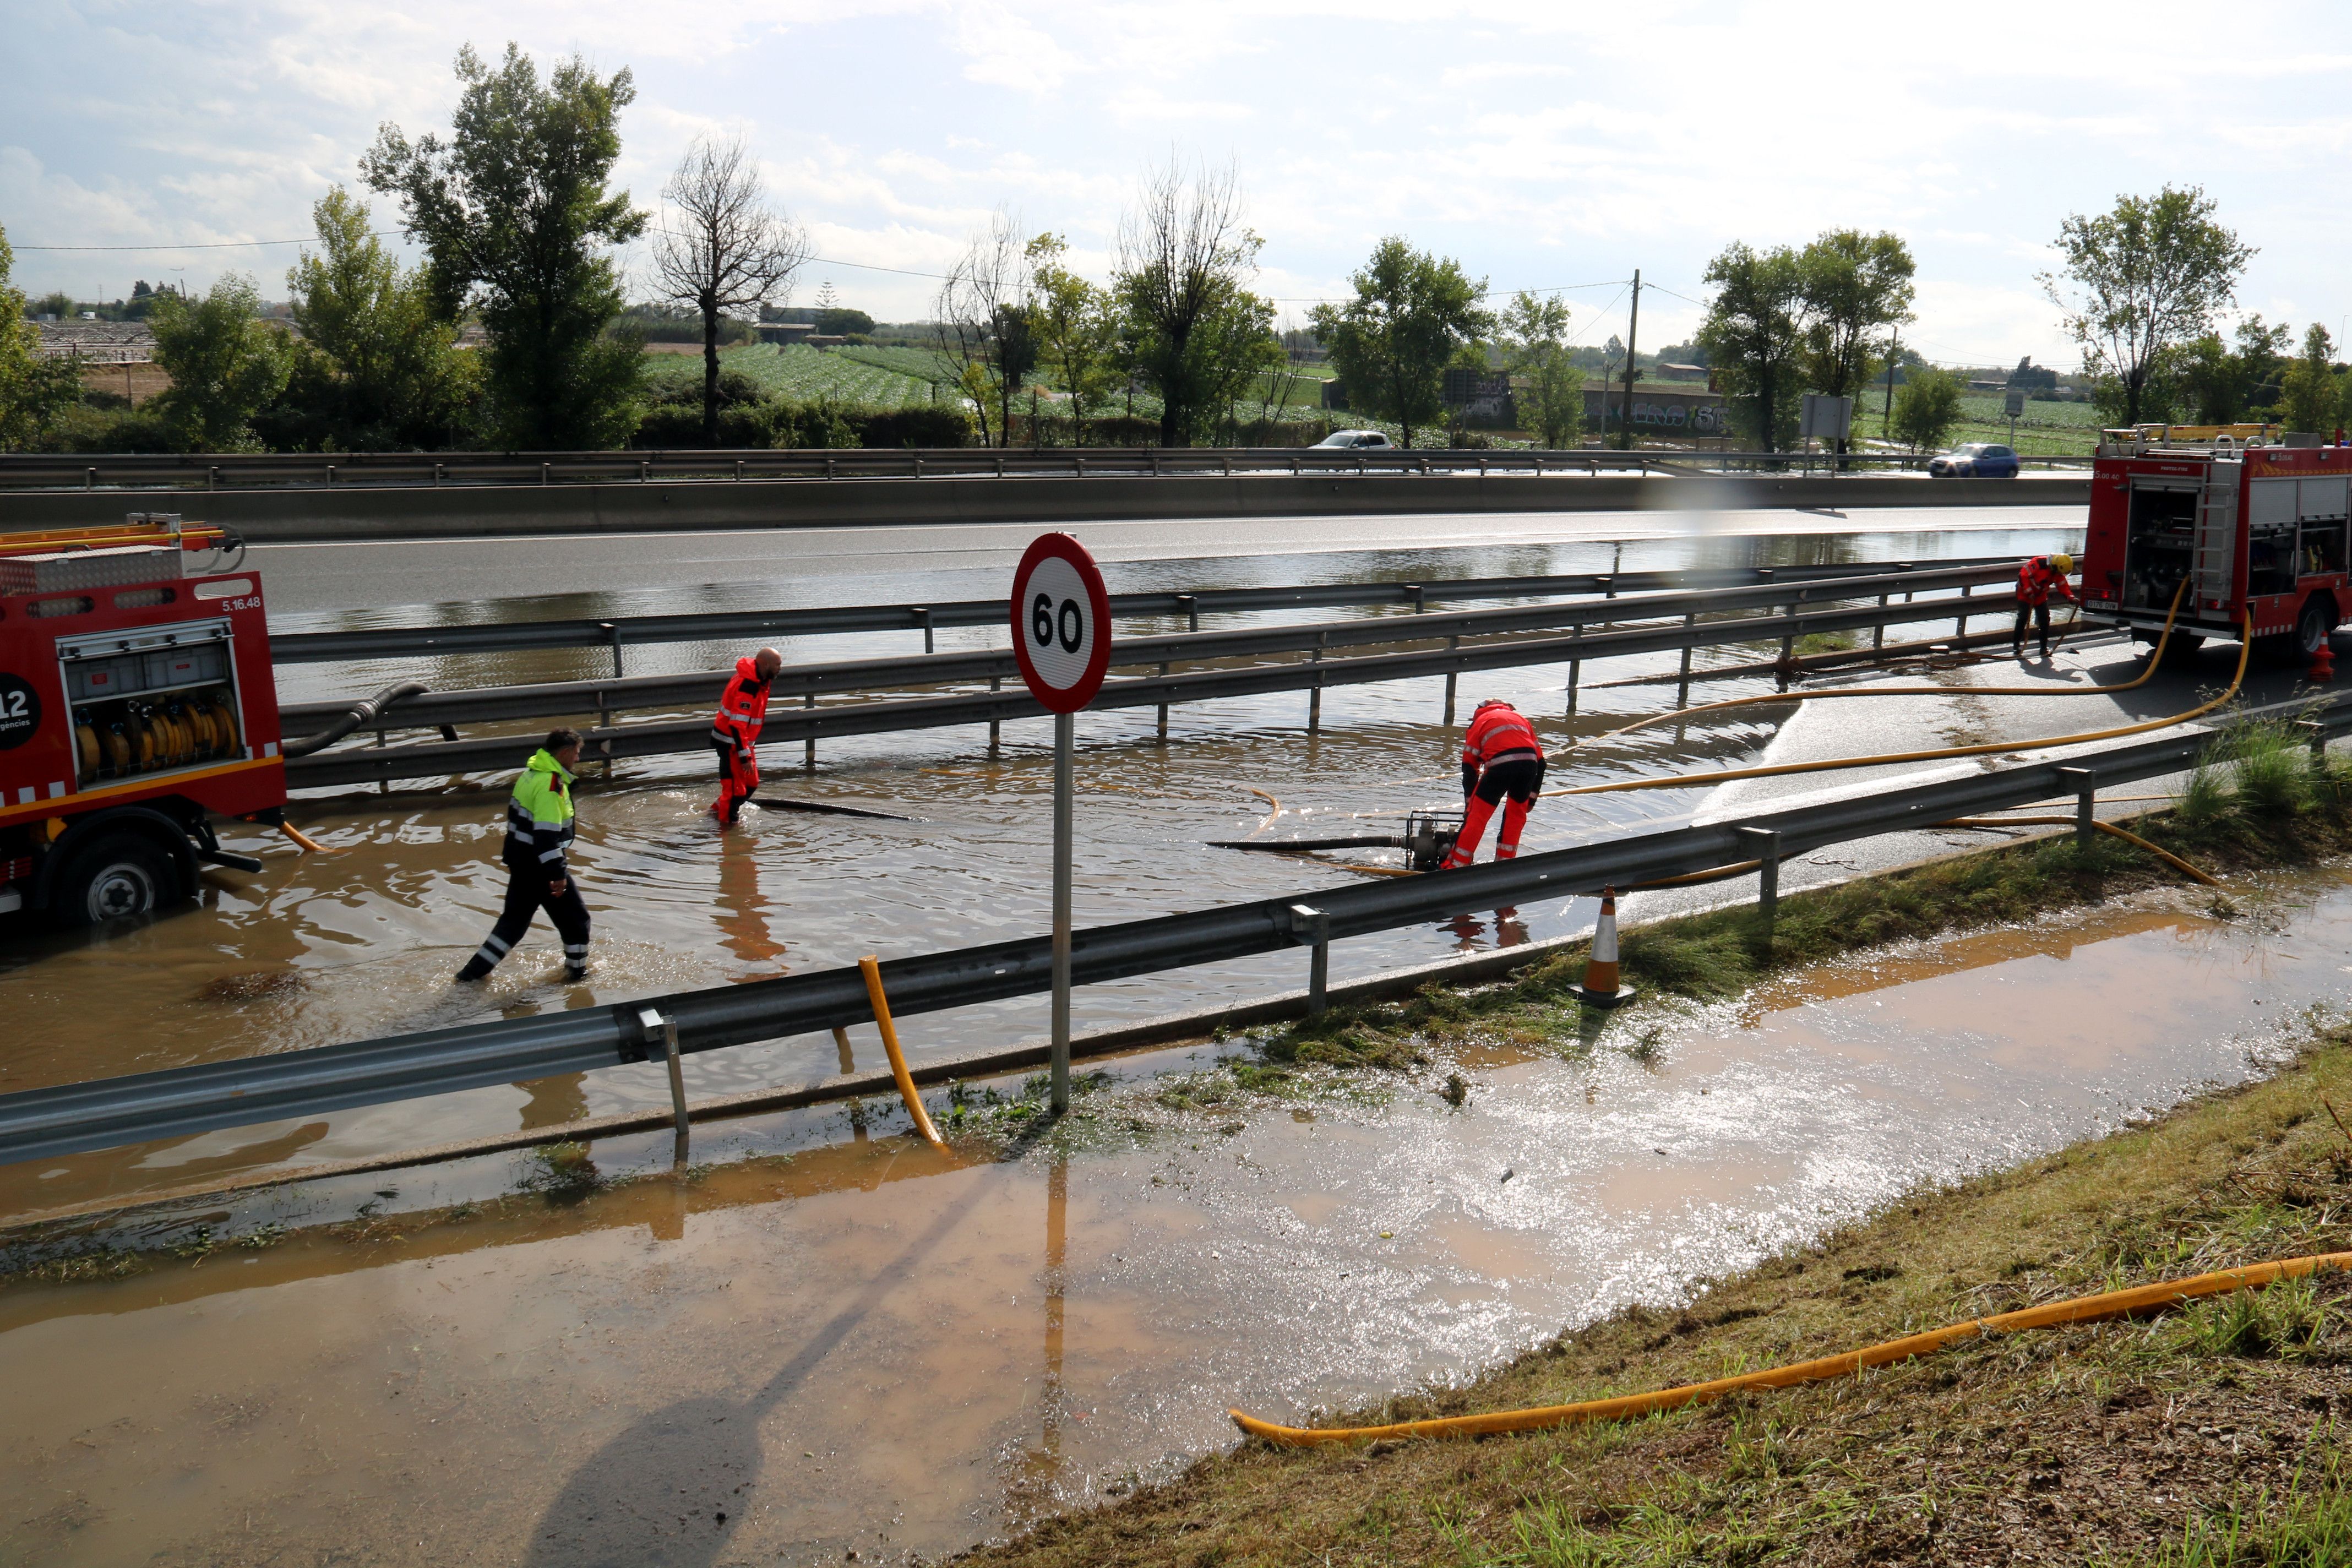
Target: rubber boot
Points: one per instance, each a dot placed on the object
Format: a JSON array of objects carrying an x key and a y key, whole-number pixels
[{"x": 477, "y": 968}]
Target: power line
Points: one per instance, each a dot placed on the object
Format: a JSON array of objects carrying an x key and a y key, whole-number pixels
[{"x": 210, "y": 244}]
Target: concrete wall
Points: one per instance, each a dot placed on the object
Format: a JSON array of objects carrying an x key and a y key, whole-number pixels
[{"x": 357, "y": 512}]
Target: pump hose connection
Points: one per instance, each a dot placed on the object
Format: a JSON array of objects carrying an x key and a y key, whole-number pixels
[{"x": 365, "y": 711}]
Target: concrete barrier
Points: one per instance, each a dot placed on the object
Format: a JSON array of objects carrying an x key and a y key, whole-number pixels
[{"x": 347, "y": 513}]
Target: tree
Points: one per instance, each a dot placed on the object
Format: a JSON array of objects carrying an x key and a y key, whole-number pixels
[
  {"x": 1232, "y": 344},
  {"x": 2141, "y": 280},
  {"x": 1854, "y": 287},
  {"x": 376, "y": 368},
  {"x": 225, "y": 365},
  {"x": 838, "y": 322},
  {"x": 35, "y": 393},
  {"x": 1071, "y": 322},
  {"x": 1927, "y": 407},
  {"x": 2311, "y": 398},
  {"x": 1753, "y": 338},
  {"x": 515, "y": 215},
  {"x": 982, "y": 323},
  {"x": 725, "y": 250},
  {"x": 1412, "y": 314},
  {"x": 1535, "y": 337},
  {"x": 1183, "y": 254}
]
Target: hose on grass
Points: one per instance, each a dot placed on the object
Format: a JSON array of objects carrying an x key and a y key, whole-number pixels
[
  {"x": 1777, "y": 769},
  {"x": 2154, "y": 658},
  {"x": 2167, "y": 856},
  {"x": 2102, "y": 1308}
]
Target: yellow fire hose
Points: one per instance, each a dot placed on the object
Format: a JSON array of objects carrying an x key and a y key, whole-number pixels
[
  {"x": 2167, "y": 856},
  {"x": 872, "y": 969},
  {"x": 2098, "y": 1309},
  {"x": 1693, "y": 781},
  {"x": 2138, "y": 680},
  {"x": 308, "y": 844}
]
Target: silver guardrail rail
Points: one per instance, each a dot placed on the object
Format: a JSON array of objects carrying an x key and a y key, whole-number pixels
[
  {"x": 297, "y": 471},
  {"x": 72, "y": 1118},
  {"x": 1675, "y": 623}
]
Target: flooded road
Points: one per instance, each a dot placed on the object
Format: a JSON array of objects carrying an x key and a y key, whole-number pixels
[{"x": 831, "y": 1340}]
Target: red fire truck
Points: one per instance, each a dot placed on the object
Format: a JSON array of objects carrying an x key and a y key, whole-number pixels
[
  {"x": 136, "y": 705},
  {"x": 2254, "y": 530}
]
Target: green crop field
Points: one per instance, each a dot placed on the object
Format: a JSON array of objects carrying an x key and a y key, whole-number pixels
[
  {"x": 801, "y": 373},
  {"x": 919, "y": 364}
]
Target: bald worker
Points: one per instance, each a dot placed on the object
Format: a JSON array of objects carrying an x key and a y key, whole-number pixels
[{"x": 735, "y": 733}]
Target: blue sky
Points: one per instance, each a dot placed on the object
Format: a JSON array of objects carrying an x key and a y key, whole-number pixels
[{"x": 1543, "y": 145}]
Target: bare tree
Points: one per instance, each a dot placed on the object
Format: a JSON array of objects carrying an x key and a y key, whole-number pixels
[
  {"x": 982, "y": 322},
  {"x": 1184, "y": 257},
  {"x": 724, "y": 248}
]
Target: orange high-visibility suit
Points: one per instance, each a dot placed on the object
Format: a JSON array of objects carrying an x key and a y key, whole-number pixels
[{"x": 1501, "y": 758}]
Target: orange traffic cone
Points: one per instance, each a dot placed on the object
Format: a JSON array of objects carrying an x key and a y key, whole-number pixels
[
  {"x": 2323, "y": 665},
  {"x": 1600, "y": 988}
]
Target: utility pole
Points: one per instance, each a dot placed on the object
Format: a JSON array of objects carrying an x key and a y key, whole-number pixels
[{"x": 1632, "y": 330}]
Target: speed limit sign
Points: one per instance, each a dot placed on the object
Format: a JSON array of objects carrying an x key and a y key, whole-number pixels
[{"x": 1061, "y": 623}]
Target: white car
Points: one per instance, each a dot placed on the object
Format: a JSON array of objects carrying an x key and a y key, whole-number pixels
[{"x": 1358, "y": 440}]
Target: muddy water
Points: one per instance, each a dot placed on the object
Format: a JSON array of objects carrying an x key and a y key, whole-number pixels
[
  {"x": 363, "y": 942},
  {"x": 869, "y": 1346}
]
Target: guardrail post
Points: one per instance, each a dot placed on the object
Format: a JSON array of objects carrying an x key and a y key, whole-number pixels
[
  {"x": 1190, "y": 605},
  {"x": 2087, "y": 800},
  {"x": 436, "y": 476},
  {"x": 613, "y": 636},
  {"x": 665, "y": 1031},
  {"x": 544, "y": 470},
  {"x": 2315, "y": 732},
  {"x": 1155, "y": 463},
  {"x": 1766, "y": 842},
  {"x": 1607, "y": 583},
  {"x": 1163, "y": 715},
  {"x": 1413, "y": 591},
  {"x": 738, "y": 471},
  {"x": 830, "y": 472},
  {"x": 808, "y": 747},
  {"x": 1682, "y": 691},
  {"x": 1878, "y": 632},
  {"x": 1450, "y": 676},
  {"x": 331, "y": 475},
  {"x": 922, "y": 614},
  {"x": 995, "y": 726},
  {"x": 212, "y": 477},
  {"x": 1314, "y": 694},
  {"x": 1575, "y": 667},
  {"x": 1961, "y": 626},
  {"x": 1313, "y": 926},
  {"x": 89, "y": 479}
]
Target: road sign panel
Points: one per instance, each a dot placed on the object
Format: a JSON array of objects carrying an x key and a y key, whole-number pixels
[{"x": 1061, "y": 623}]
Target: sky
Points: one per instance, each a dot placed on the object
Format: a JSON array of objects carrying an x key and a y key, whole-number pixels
[{"x": 1544, "y": 146}]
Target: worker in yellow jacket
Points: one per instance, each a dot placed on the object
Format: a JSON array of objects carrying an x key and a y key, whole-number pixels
[{"x": 540, "y": 825}]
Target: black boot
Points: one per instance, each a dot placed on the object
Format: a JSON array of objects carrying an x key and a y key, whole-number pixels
[{"x": 477, "y": 968}]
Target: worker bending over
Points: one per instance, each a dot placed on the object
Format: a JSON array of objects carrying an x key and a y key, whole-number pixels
[
  {"x": 735, "y": 733},
  {"x": 2035, "y": 579},
  {"x": 539, "y": 830},
  {"x": 1501, "y": 759}
]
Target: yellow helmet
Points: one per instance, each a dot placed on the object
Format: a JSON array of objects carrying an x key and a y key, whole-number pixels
[{"x": 2064, "y": 562}]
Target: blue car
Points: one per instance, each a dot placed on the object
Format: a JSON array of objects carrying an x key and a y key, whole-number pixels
[{"x": 1977, "y": 460}]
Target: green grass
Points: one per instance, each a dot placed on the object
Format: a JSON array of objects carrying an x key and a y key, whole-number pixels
[
  {"x": 801, "y": 373},
  {"x": 917, "y": 364}
]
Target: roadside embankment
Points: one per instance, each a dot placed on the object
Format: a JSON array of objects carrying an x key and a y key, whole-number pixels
[{"x": 2207, "y": 1434}]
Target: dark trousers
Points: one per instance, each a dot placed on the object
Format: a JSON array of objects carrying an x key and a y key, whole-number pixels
[
  {"x": 2038, "y": 613},
  {"x": 527, "y": 894}
]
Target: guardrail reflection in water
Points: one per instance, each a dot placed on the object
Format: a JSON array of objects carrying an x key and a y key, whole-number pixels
[{"x": 71, "y": 1118}]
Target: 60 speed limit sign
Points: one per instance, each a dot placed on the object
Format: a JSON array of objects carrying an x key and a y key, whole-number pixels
[{"x": 1061, "y": 623}]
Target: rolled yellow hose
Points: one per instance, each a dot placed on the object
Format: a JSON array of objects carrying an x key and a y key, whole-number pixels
[
  {"x": 872, "y": 969},
  {"x": 1693, "y": 781},
  {"x": 2096, "y": 1309}
]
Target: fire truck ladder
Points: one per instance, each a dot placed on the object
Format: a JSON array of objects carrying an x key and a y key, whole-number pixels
[{"x": 2213, "y": 555}]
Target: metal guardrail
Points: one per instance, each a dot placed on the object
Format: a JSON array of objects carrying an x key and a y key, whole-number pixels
[
  {"x": 237, "y": 471},
  {"x": 742, "y": 625},
  {"x": 1752, "y": 588},
  {"x": 372, "y": 765},
  {"x": 72, "y": 1118}
]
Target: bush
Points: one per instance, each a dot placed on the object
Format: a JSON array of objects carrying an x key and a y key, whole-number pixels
[{"x": 916, "y": 425}]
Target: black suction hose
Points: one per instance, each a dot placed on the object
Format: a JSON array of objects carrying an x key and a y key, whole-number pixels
[{"x": 360, "y": 713}]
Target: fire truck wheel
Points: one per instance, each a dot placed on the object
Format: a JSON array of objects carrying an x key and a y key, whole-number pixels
[
  {"x": 2311, "y": 628},
  {"x": 2181, "y": 648},
  {"x": 120, "y": 875}
]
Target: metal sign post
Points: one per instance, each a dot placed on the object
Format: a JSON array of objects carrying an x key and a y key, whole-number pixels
[{"x": 1061, "y": 637}]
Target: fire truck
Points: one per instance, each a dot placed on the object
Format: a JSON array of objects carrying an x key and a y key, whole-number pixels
[
  {"x": 137, "y": 705},
  {"x": 2252, "y": 528}
]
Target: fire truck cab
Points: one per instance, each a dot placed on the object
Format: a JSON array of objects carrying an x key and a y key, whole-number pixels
[
  {"x": 2254, "y": 528},
  {"x": 136, "y": 705}
]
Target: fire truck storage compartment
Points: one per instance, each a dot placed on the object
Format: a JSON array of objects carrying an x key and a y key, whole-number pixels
[
  {"x": 2319, "y": 511},
  {"x": 2161, "y": 539},
  {"x": 152, "y": 700}
]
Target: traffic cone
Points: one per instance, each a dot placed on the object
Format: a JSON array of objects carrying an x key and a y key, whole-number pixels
[
  {"x": 2323, "y": 665},
  {"x": 1600, "y": 988}
]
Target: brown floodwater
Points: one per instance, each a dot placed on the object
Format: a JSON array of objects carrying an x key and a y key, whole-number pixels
[{"x": 831, "y": 1339}]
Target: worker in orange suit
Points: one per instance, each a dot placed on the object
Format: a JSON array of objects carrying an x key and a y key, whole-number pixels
[
  {"x": 735, "y": 733},
  {"x": 1502, "y": 761},
  {"x": 2035, "y": 579}
]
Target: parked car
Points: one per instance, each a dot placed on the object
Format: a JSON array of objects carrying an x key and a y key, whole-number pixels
[
  {"x": 1977, "y": 460},
  {"x": 1358, "y": 440}
]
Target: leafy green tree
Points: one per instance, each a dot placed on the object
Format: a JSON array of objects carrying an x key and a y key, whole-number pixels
[
  {"x": 1754, "y": 339},
  {"x": 1232, "y": 344},
  {"x": 1071, "y": 322},
  {"x": 1534, "y": 331},
  {"x": 516, "y": 219},
  {"x": 2221, "y": 386},
  {"x": 2139, "y": 281},
  {"x": 226, "y": 365},
  {"x": 35, "y": 393},
  {"x": 1185, "y": 260},
  {"x": 2312, "y": 397},
  {"x": 376, "y": 368},
  {"x": 840, "y": 322},
  {"x": 1927, "y": 407},
  {"x": 1855, "y": 287},
  {"x": 1412, "y": 313}
]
